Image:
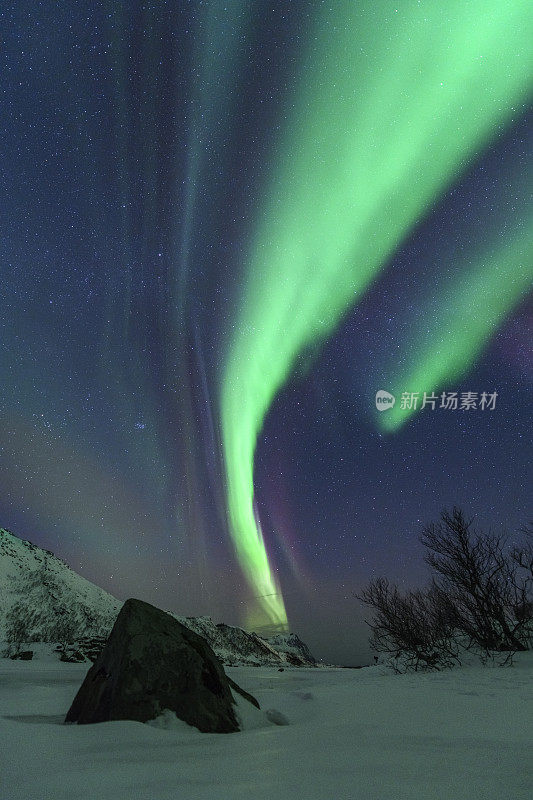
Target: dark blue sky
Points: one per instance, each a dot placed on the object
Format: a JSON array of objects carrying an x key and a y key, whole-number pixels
[{"x": 111, "y": 338}]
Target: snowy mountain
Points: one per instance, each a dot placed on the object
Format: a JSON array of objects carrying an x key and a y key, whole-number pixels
[
  {"x": 292, "y": 645},
  {"x": 37, "y": 579},
  {"x": 33, "y": 575},
  {"x": 236, "y": 646}
]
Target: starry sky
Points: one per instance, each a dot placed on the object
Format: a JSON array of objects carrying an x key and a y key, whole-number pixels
[{"x": 224, "y": 227}]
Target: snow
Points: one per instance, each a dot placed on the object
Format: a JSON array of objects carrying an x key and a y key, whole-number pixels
[{"x": 366, "y": 734}]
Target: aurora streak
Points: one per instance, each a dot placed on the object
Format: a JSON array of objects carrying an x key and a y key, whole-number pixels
[
  {"x": 471, "y": 312},
  {"x": 389, "y": 110}
]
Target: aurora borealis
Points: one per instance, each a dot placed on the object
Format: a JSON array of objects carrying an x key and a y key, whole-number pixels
[
  {"x": 227, "y": 226},
  {"x": 341, "y": 202}
]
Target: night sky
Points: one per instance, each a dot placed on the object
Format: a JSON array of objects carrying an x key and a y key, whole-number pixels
[{"x": 224, "y": 227}]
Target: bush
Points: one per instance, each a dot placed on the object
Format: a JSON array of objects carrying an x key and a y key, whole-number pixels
[
  {"x": 17, "y": 628},
  {"x": 480, "y": 600}
]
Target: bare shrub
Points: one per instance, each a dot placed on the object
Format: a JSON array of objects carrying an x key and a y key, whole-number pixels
[{"x": 480, "y": 600}]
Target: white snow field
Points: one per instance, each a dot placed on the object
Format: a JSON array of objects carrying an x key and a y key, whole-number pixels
[{"x": 352, "y": 735}]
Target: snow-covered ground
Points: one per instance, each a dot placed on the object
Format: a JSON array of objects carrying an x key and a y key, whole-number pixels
[{"x": 353, "y": 735}]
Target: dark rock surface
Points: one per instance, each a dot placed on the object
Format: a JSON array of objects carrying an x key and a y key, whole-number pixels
[
  {"x": 152, "y": 662},
  {"x": 71, "y": 655},
  {"x": 247, "y": 696},
  {"x": 91, "y": 646},
  {"x": 23, "y": 655}
]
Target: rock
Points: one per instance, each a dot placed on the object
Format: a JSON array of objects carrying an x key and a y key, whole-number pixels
[
  {"x": 151, "y": 662},
  {"x": 294, "y": 660},
  {"x": 86, "y": 648},
  {"x": 23, "y": 655},
  {"x": 71, "y": 656},
  {"x": 91, "y": 646},
  {"x": 251, "y": 699},
  {"x": 277, "y": 717}
]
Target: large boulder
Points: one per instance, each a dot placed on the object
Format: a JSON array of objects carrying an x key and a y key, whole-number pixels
[{"x": 152, "y": 662}]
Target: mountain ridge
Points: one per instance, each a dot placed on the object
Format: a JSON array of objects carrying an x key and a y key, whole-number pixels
[{"x": 93, "y": 610}]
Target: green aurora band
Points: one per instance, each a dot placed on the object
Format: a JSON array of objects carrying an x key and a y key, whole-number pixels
[
  {"x": 471, "y": 311},
  {"x": 393, "y": 101}
]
